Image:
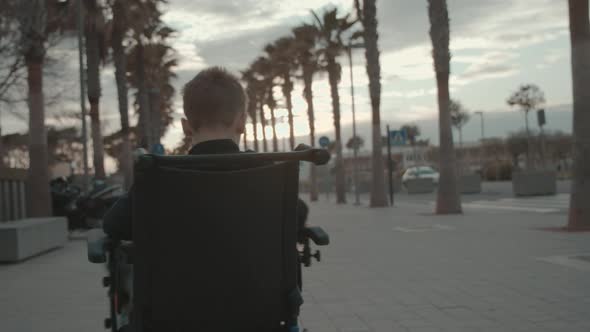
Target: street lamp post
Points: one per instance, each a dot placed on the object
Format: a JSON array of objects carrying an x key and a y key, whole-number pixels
[
  {"x": 355, "y": 147},
  {"x": 82, "y": 93},
  {"x": 480, "y": 113}
]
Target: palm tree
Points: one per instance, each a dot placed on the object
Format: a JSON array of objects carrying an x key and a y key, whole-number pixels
[
  {"x": 95, "y": 53},
  {"x": 579, "y": 214},
  {"x": 263, "y": 125},
  {"x": 412, "y": 131},
  {"x": 264, "y": 70},
  {"x": 159, "y": 64},
  {"x": 1, "y": 145},
  {"x": 306, "y": 38},
  {"x": 368, "y": 16},
  {"x": 331, "y": 27},
  {"x": 527, "y": 97},
  {"x": 119, "y": 29},
  {"x": 459, "y": 118},
  {"x": 272, "y": 105},
  {"x": 150, "y": 64},
  {"x": 144, "y": 18},
  {"x": 258, "y": 68},
  {"x": 280, "y": 53},
  {"x": 448, "y": 200},
  {"x": 252, "y": 107},
  {"x": 34, "y": 20}
]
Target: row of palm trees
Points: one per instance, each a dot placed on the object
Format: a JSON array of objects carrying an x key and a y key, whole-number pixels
[
  {"x": 136, "y": 31},
  {"x": 308, "y": 50},
  {"x": 143, "y": 60},
  {"x": 317, "y": 47},
  {"x": 448, "y": 200}
]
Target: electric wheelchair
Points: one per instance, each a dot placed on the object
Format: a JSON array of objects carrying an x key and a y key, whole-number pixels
[{"x": 216, "y": 245}]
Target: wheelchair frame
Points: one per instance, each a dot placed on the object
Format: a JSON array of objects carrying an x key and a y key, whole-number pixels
[
  {"x": 118, "y": 254},
  {"x": 115, "y": 254}
]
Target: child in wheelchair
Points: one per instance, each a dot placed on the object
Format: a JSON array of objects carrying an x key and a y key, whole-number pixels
[{"x": 214, "y": 105}]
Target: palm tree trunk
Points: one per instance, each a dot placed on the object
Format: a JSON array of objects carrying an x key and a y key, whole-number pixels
[
  {"x": 120, "y": 61},
  {"x": 263, "y": 124},
  {"x": 145, "y": 123},
  {"x": 448, "y": 200},
  {"x": 579, "y": 213},
  {"x": 287, "y": 89},
  {"x": 255, "y": 131},
  {"x": 245, "y": 136},
  {"x": 97, "y": 144},
  {"x": 155, "y": 114},
  {"x": 333, "y": 77},
  {"x": 93, "y": 70},
  {"x": 308, "y": 94},
  {"x": 1, "y": 145},
  {"x": 38, "y": 195},
  {"x": 378, "y": 196},
  {"x": 273, "y": 124},
  {"x": 461, "y": 154}
]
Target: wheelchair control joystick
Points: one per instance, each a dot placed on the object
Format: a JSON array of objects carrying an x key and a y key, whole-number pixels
[
  {"x": 108, "y": 323},
  {"x": 317, "y": 256}
]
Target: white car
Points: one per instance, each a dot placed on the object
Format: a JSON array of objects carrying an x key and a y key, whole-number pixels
[{"x": 420, "y": 172}]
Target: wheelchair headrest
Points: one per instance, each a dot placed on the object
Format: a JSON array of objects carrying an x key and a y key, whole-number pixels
[{"x": 301, "y": 153}]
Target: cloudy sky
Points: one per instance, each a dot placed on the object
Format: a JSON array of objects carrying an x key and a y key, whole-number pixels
[{"x": 496, "y": 45}]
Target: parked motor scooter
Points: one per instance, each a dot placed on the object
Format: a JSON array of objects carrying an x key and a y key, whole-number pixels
[{"x": 83, "y": 210}]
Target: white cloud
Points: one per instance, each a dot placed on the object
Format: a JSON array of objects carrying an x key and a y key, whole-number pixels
[
  {"x": 552, "y": 57},
  {"x": 491, "y": 65},
  {"x": 412, "y": 64},
  {"x": 415, "y": 113}
]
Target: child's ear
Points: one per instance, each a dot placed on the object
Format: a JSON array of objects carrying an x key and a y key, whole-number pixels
[{"x": 186, "y": 127}]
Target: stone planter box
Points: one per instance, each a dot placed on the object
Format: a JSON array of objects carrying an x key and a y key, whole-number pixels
[
  {"x": 534, "y": 183},
  {"x": 470, "y": 184},
  {"x": 25, "y": 238},
  {"x": 420, "y": 186}
]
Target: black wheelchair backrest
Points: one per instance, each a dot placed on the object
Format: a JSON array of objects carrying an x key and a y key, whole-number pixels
[{"x": 215, "y": 241}]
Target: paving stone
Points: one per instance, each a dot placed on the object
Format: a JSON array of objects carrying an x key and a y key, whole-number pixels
[{"x": 482, "y": 273}]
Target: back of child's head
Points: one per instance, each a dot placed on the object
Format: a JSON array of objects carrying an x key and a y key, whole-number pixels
[{"x": 213, "y": 98}]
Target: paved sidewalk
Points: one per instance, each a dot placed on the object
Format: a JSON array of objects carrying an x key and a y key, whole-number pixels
[
  {"x": 58, "y": 291},
  {"x": 403, "y": 269},
  {"x": 391, "y": 269}
]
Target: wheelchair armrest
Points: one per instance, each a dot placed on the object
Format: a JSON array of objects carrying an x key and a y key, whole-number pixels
[
  {"x": 96, "y": 244},
  {"x": 124, "y": 252},
  {"x": 317, "y": 235}
]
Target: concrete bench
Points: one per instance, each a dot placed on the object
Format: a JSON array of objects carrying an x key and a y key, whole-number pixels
[{"x": 24, "y": 238}]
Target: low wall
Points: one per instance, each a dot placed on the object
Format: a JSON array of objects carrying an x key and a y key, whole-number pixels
[
  {"x": 22, "y": 239},
  {"x": 419, "y": 186},
  {"x": 12, "y": 194},
  {"x": 470, "y": 184},
  {"x": 534, "y": 183}
]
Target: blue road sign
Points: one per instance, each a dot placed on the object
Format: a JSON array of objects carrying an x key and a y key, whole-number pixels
[
  {"x": 324, "y": 141},
  {"x": 157, "y": 149},
  {"x": 398, "y": 137}
]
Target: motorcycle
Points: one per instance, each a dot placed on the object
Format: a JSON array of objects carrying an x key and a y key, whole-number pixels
[{"x": 84, "y": 210}]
